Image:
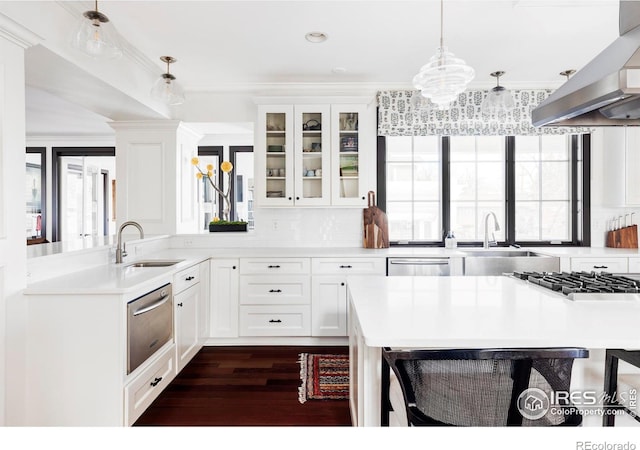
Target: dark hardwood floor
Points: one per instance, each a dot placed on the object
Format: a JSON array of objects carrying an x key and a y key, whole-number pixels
[{"x": 244, "y": 386}]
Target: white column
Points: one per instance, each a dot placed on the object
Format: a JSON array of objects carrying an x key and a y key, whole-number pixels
[
  {"x": 14, "y": 39},
  {"x": 156, "y": 183}
]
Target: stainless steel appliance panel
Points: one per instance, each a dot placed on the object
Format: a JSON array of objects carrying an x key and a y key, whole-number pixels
[
  {"x": 409, "y": 267},
  {"x": 149, "y": 325}
]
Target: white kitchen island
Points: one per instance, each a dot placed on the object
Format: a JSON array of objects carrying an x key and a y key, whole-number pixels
[{"x": 469, "y": 312}]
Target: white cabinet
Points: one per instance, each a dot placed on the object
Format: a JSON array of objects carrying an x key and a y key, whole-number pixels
[
  {"x": 223, "y": 318},
  {"x": 621, "y": 165},
  {"x": 353, "y": 154},
  {"x": 187, "y": 300},
  {"x": 604, "y": 264},
  {"x": 275, "y": 297},
  {"x": 77, "y": 361},
  {"x": 329, "y": 291},
  {"x": 634, "y": 265},
  {"x": 315, "y": 154}
]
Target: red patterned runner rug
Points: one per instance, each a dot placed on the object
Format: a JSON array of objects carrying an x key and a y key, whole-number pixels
[{"x": 324, "y": 377}]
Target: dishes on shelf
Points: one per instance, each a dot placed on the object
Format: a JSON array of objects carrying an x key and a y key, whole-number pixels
[
  {"x": 275, "y": 148},
  {"x": 275, "y": 194}
]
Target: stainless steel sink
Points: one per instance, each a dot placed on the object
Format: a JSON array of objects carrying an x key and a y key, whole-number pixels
[
  {"x": 501, "y": 253},
  {"x": 155, "y": 263},
  {"x": 497, "y": 262}
]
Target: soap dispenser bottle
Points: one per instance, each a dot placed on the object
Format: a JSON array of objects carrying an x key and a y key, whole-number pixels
[{"x": 450, "y": 240}]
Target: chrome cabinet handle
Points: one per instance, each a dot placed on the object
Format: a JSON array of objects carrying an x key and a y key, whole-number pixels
[
  {"x": 180, "y": 304},
  {"x": 189, "y": 278},
  {"x": 273, "y": 267},
  {"x": 346, "y": 267},
  {"x": 156, "y": 381},
  {"x": 275, "y": 321},
  {"x": 275, "y": 290},
  {"x": 600, "y": 267},
  {"x": 152, "y": 306}
]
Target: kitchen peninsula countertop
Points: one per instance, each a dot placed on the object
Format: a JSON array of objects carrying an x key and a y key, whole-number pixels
[
  {"x": 489, "y": 311},
  {"x": 119, "y": 278}
]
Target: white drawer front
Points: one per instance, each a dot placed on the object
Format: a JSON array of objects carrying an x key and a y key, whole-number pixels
[
  {"x": 144, "y": 389},
  {"x": 274, "y": 266},
  {"x": 346, "y": 266},
  {"x": 613, "y": 265},
  {"x": 279, "y": 320},
  {"x": 278, "y": 290},
  {"x": 186, "y": 278},
  {"x": 634, "y": 265}
]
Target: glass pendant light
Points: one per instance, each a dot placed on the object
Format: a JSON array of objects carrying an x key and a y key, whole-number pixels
[
  {"x": 95, "y": 36},
  {"x": 444, "y": 77},
  {"x": 499, "y": 100},
  {"x": 166, "y": 88}
]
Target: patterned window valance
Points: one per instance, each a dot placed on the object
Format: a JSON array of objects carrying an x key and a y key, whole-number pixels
[{"x": 396, "y": 116}]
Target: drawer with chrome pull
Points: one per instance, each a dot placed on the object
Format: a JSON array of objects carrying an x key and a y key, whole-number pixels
[
  {"x": 612, "y": 265},
  {"x": 278, "y": 290},
  {"x": 278, "y": 320},
  {"x": 348, "y": 266},
  {"x": 274, "y": 266},
  {"x": 146, "y": 387},
  {"x": 186, "y": 278}
]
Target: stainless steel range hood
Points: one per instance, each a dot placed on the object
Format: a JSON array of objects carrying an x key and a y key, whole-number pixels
[{"x": 607, "y": 90}]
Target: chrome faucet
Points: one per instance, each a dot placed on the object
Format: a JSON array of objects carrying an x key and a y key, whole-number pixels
[
  {"x": 496, "y": 227},
  {"x": 121, "y": 251}
]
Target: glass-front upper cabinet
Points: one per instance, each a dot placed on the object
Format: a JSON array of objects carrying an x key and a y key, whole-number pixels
[
  {"x": 350, "y": 141},
  {"x": 312, "y": 151},
  {"x": 275, "y": 139}
]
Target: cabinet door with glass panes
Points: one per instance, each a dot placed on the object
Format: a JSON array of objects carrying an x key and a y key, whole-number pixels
[
  {"x": 351, "y": 138},
  {"x": 275, "y": 158},
  {"x": 312, "y": 155}
]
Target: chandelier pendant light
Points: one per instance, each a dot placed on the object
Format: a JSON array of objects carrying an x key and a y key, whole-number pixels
[
  {"x": 444, "y": 77},
  {"x": 95, "y": 36},
  {"x": 499, "y": 100},
  {"x": 166, "y": 88}
]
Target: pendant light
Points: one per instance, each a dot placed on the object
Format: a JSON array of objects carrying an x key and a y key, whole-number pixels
[
  {"x": 499, "y": 100},
  {"x": 567, "y": 73},
  {"x": 95, "y": 36},
  {"x": 444, "y": 77},
  {"x": 166, "y": 88}
]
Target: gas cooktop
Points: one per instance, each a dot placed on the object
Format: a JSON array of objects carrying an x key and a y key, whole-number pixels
[{"x": 587, "y": 285}]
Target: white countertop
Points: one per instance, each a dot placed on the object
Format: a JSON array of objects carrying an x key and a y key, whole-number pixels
[
  {"x": 485, "y": 312},
  {"x": 118, "y": 278}
]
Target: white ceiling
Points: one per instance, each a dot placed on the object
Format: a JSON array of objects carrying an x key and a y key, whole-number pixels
[{"x": 235, "y": 46}]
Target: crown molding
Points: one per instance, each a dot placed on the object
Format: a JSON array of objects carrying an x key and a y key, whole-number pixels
[{"x": 16, "y": 33}]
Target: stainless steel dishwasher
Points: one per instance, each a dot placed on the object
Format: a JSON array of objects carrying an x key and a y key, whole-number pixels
[
  {"x": 412, "y": 266},
  {"x": 149, "y": 325}
]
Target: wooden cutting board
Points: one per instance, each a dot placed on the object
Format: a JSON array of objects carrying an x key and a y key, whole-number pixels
[
  {"x": 626, "y": 237},
  {"x": 376, "y": 227}
]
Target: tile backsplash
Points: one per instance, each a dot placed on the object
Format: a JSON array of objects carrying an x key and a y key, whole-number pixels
[{"x": 289, "y": 227}]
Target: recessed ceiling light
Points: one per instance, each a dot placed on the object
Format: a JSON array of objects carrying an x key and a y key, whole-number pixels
[{"x": 316, "y": 37}]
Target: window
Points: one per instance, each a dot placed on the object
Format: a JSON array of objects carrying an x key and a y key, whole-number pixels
[
  {"x": 240, "y": 191},
  {"x": 536, "y": 186}
]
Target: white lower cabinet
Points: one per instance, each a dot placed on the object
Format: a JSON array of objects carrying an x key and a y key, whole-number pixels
[
  {"x": 329, "y": 306},
  {"x": 223, "y": 320},
  {"x": 329, "y": 291},
  {"x": 187, "y": 300},
  {"x": 605, "y": 264},
  {"x": 144, "y": 389},
  {"x": 634, "y": 265},
  {"x": 284, "y": 296},
  {"x": 275, "y": 320},
  {"x": 186, "y": 325}
]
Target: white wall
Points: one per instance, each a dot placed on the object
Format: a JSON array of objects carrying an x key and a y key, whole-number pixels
[
  {"x": 601, "y": 211},
  {"x": 13, "y": 256}
]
